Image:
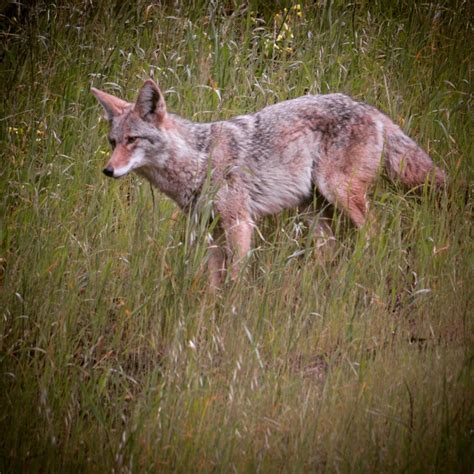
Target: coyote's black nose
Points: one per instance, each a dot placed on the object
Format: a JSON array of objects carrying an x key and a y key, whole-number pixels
[{"x": 109, "y": 171}]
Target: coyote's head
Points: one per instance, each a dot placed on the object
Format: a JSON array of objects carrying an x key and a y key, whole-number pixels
[{"x": 137, "y": 131}]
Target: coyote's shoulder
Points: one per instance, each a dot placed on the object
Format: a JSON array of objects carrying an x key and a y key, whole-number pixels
[{"x": 263, "y": 162}]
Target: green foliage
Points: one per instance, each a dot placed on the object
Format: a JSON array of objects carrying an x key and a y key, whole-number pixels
[{"x": 114, "y": 355}]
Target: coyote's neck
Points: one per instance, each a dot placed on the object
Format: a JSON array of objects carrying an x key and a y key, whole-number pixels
[{"x": 182, "y": 173}]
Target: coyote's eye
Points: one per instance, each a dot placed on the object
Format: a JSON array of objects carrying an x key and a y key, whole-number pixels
[
  {"x": 112, "y": 142},
  {"x": 131, "y": 140}
]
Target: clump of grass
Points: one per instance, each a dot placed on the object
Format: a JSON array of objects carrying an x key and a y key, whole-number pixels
[{"x": 113, "y": 353}]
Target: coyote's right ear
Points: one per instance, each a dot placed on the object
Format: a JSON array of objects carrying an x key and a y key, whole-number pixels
[
  {"x": 113, "y": 106},
  {"x": 150, "y": 103}
]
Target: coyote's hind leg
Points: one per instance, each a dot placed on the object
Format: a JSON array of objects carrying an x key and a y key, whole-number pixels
[
  {"x": 321, "y": 230},
  {"x": 350, "y": 165},
  {"x": 345, "y": 179}
]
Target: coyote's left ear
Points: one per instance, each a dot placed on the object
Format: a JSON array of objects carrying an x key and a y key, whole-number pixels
[
  {"x": 150, "y": 103},
  {"x": 113, "y": 106}
]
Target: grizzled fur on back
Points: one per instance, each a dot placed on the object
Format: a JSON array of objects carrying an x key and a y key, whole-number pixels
[{"x": 263, "y": 162}]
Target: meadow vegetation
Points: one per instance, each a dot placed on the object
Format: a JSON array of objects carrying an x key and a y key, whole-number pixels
[{"x": 115, "y": 356}]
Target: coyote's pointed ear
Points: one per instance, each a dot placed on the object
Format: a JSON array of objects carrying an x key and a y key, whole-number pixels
[
  {"x": 150, "y": 103},
  {"x": 113, "y": 106}
]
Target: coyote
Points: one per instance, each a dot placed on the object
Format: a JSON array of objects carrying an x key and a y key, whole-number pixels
[{"x": 263, "y": 162}]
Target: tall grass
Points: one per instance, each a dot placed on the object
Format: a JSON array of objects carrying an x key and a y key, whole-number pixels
[{"x": 114, "y": 356}]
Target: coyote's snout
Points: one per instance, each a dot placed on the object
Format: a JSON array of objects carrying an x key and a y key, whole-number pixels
[{"x": 264, "y": 162}]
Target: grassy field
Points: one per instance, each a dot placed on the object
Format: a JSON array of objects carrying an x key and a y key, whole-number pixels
[{"x": 114, "y": 355}]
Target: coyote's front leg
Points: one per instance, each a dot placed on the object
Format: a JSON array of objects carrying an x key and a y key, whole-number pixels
[
  {"x": 216, "y": 259},
  {"x": 239, "y": 239},
  {"x": 232, "y": 205}
]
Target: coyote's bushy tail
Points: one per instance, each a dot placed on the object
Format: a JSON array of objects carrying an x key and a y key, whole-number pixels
[{"x": 405, "y": 160}]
